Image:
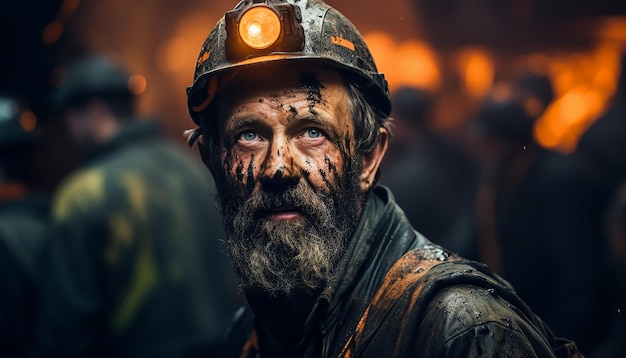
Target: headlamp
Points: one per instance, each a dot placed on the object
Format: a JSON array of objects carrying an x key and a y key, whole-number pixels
[{"x": 258, "y": 28}]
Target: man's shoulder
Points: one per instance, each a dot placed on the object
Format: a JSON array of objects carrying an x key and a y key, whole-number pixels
[
  {"x": 428, "y": 270},
  {"x": 457, "y": 309},
  {"x": 432, "y": 300},
  {"x": 475, "y": 320},
  {"x": 429, "y": 276}
]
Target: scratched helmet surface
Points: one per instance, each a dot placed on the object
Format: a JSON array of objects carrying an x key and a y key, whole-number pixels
[{"x": 309, "y": 30}]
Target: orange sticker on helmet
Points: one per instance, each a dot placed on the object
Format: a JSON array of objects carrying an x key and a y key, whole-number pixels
[
  {"x": 211, "y": 92},
  {"x": 205, "y": 56},
  {"x": 342, "y": 42}
]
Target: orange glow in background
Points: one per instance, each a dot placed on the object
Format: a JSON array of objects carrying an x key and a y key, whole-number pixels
[
  {"x": 584, "y": 84},
  {"x": 28, "y": 121},
  {"x": 477, "y": 71},
  {"x": 165, "y": 50},
  {"x": 52, "y": 33},
  {"x": 137, "y": 84},
  {"x": 410, "y": 63}
]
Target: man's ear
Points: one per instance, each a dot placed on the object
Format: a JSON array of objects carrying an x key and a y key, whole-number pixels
[
  {"x": 371, "y": 162},
  {"x": 205, "y": 153}
]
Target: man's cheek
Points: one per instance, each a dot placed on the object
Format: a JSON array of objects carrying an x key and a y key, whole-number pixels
[
  {"x": 241, "y": 169},
  {"x": 324, "y": 173}
]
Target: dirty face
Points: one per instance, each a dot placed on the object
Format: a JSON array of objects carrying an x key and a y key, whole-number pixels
[
  {"x": 301, "y": 126},
  {"x": 288, "y": 178}
]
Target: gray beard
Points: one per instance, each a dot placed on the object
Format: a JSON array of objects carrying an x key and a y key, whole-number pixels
[{"x": 282, "y": 257}]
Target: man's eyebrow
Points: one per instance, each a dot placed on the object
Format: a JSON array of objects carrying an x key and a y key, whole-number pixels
[
  {"x": 312, "y": 117},
  {"x": 236, "y": 123}
]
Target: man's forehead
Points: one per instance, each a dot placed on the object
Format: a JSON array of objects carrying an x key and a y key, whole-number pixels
[{"x": 276, "y": 79}]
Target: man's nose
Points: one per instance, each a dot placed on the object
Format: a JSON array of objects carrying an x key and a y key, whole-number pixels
[{"x": 279, "y": 167}]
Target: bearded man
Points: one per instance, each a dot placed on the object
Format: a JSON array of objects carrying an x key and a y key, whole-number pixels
[{"x": 293, "y": 126}]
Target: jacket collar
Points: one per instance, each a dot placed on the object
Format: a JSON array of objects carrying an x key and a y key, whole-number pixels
[{"x": 383, "y": 235}]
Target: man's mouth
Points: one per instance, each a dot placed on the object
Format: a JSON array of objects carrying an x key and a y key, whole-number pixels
[{"x": 282, "y": 214}]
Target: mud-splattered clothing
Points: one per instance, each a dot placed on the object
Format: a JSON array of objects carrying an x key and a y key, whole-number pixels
[
  {"x": 398, "y": 295},
  {"x": 135, "y": 266}
]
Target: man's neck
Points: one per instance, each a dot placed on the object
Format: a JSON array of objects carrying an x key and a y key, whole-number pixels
[{"x": 281, "y": 320}]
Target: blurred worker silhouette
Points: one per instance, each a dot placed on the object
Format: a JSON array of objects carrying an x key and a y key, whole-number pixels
[
  {"x": 604, "y": 145},
  {"x": 24, "y": 213},
  {"x": 605, "y": 141},
  {"x": 135, "y": 267},
  {"x": 616, "y": 236},
  {"x": 538, "y": 215},
  {"x": 433, "y": 178}
]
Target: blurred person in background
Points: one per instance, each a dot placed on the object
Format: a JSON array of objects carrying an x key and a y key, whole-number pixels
[
  {"x": 432, "y": 177},
  {"x": 616, "y": 230},
  {"x": 134, "y": 267},
  {"x": 24, "y": 224},
  {"x": 603, "y": 145},
  {"x": 538, "y": 215},
  {"x": 604, "y": 142}
]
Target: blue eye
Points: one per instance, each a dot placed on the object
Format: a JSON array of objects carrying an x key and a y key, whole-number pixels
[
  {"x": 248, "y": 136},
  {"x": 313, "y": 133}
]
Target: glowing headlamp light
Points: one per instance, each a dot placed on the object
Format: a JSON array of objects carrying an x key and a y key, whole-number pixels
[
  {"x": 262, "y": 27},
  {"x": 259, "y": 27}
]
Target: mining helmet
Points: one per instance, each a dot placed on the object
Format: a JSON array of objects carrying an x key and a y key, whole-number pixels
[
  {"x": 17, "y": 123},
  {"x": 89, "y": 77},
  {"x": 258, "y": 32}
]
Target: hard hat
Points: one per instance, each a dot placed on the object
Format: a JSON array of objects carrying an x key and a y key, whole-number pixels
[
  {"x": 17, "y": 123},
  {"x": 258, "y": 32},
  {"x": 94, "y": 76}
]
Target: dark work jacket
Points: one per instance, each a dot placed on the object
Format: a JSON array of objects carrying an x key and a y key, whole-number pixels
[
  {"x": 398, "y": 295},
  {"x": 135, "y": 265},
  {"x": 24, "y": 226}
]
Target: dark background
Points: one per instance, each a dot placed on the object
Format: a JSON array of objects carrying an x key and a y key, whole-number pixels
[
  {"x": 27, "y": 62},
  {"x": 134, "y": 31}
]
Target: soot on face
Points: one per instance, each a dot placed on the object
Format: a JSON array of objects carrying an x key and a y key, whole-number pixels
[{"x": 312, "y": 86}]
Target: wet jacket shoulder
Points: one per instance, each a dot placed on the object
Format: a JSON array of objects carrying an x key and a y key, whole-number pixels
[
  {"x": 451, "y": 308},
  {"x": 398, "y": 295}
]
